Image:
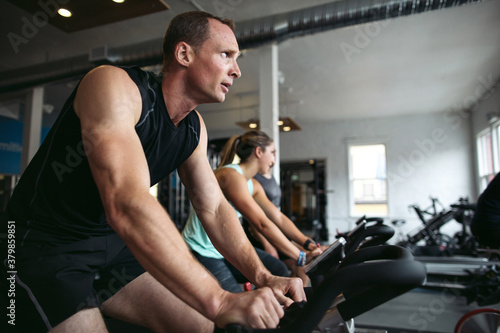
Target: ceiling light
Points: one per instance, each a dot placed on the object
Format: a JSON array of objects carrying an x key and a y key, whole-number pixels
[
  {"x": 118, "y": 1},
  {"x": 286, "y": 124},
  {"x": 64, "y": 12}
]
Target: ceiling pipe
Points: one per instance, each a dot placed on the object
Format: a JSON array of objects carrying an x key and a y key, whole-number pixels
[
  {"x": 338, "y": 14},
  {"x": 141, "y": 54},
  {"x": 250, "y": 34}
]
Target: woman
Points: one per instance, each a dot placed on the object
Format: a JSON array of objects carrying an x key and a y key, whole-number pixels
[{"x": 256, "y": 151}]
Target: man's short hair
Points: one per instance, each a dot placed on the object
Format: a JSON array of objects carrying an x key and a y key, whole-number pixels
[{"x": 190, "y": 27}]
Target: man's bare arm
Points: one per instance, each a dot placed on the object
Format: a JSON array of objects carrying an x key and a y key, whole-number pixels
[{"x": 217, "y": 216}]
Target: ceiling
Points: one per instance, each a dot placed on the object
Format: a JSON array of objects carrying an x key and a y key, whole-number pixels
[
  {"x": 430, "y": 62},
  {"x": 89, "y": 13}
]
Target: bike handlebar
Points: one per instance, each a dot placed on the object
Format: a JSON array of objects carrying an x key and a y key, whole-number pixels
[
  {"x": 366, "y": 278},
  {"x": 379, "y": 234},
  {"x": 361, "y": 236},
  {"x": 464, "y": 206}
]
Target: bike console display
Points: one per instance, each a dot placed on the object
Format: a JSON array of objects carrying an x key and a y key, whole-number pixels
[{"x": 333, "y": 252}]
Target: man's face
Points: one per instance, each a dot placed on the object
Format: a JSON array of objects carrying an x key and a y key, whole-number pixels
[{"x": 215, "y": 67}]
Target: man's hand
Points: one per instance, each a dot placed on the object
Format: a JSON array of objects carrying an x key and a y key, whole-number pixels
[
  {"x": 282, "y": 286},
  {"x": 255, "y": 309}
]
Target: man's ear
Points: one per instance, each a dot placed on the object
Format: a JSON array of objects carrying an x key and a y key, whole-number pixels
[{"x": 183, "y": 53}]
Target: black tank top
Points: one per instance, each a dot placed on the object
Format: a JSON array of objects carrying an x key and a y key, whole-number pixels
[
  {"x": 57, "y": 194},
  {"x": 271, "y": 188}
]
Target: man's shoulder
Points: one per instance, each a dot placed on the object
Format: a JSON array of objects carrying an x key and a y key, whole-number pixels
[
  {"x": 108, "y": 75},
  {"x": 100, "y": 87},
  {"x": 142, "y": 77}
]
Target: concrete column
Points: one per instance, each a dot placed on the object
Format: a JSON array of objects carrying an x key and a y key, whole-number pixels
[
  {"x": 32, "y": 128},
  {"x": 269, "y": 98}
]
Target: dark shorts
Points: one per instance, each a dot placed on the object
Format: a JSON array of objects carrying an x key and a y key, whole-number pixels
[
  {"x": 256, "y": 243},
  {"x": 53, "y": 284}
]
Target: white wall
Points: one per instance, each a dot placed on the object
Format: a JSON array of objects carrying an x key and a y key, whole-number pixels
[
  {"x": 427, "y": 155},
  {"x": 488, "y": 103}
]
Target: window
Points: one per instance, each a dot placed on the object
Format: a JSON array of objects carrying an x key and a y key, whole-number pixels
[
  {"x": 488, "y": 154},
  {"x": 368, "y": 179}
]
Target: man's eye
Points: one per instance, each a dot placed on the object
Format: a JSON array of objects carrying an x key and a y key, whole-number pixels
[{"x": 224, "y": 55}]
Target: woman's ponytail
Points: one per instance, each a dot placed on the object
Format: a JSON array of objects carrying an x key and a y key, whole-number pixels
[{"x": 243, "y": 146}]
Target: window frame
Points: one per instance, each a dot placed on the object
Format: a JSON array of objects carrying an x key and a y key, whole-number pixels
[
  {"x": 350, "y": 179},
  {"x": 483, "y": 175}
]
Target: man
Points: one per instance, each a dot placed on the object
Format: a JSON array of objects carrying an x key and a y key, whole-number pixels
[
  {"x": 486, "y": 223},
  {"x": 83, "y": 203}
]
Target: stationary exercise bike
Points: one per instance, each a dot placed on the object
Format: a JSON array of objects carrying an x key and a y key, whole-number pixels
[
  {"x": 428, "y": 240},
  {"x": 354, "y": 279},
  {"x": 474, "y": 269},
  {"x": 367, "y": 232}
]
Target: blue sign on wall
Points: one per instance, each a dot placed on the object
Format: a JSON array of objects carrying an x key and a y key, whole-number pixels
[{"x": 11, "y": 141}]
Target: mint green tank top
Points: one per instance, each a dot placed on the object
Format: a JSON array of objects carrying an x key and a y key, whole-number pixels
[{"x": 194, "y": 234}]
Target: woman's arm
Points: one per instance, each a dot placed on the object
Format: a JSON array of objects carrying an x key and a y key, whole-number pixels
[
  {"x": 234, "y": 186},
  {"x": 266, "y": 246},
  {"x": 283, "y": 222}
]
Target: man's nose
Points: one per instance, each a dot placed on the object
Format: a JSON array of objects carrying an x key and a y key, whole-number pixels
[{"x": 236, "y": 73}]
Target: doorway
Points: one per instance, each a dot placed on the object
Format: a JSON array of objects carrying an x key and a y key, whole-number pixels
[{"x": 304, "y": 196}]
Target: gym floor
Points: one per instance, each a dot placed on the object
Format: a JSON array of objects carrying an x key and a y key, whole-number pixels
[{"x": 420, "y": 310}]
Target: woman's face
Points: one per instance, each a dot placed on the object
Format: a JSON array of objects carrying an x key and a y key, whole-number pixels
[{"x": 268, "y": 158}]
